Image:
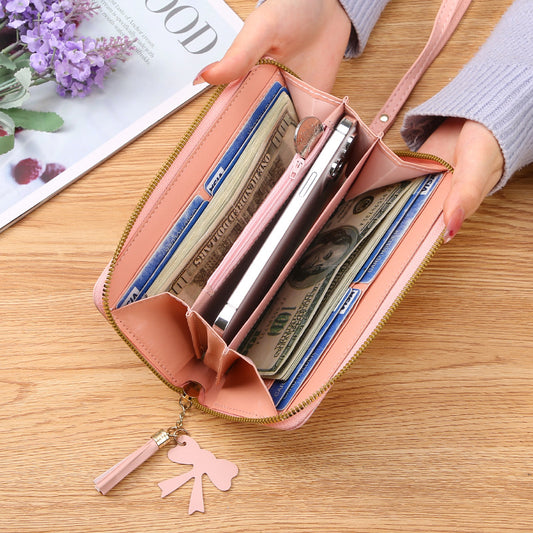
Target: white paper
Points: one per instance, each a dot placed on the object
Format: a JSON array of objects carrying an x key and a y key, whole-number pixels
[{"x": 150, "y": 85}]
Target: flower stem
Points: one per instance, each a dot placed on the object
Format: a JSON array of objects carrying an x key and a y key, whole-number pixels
[
  {"x": 9, "y": 47},
  {"x": 17, "y": 54}
]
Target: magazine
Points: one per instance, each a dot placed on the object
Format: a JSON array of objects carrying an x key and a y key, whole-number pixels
[{"x": 173, "y": 43}]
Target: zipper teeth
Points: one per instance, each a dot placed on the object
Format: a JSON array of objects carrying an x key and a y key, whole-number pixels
[
  {"x": 133, "y": 218},
  {"x": 419, "y": 155},
  {"x": 295, "y": 410},
  {"x": 268, "y": 61}
]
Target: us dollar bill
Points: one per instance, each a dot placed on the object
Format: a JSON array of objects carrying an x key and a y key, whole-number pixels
[
  {"x": 341, "y": 282},
  {"x": 257, "y": 170},
  {"x": 273, "y": 339}
]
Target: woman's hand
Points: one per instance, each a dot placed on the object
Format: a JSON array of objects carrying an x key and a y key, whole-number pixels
[
  {"x": 308, "y": 36},
  {"x": 478, "y": 164}
]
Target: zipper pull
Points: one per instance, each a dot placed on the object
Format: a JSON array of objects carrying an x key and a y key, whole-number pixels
[
  {"x": 185, "y": 452},
  {"x": 106, "y": 481}
]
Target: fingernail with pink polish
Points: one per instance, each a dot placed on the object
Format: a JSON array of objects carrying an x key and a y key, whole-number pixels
[
  {"x": 454, "y": 224},
  {"x": 198, "y": 80},
  {"x": 200, "y": 76}
]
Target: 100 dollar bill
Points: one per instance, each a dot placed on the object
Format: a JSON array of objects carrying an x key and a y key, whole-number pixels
[
  {"x": 344, "y": 277},
  {"x": 273, "y": 338}
]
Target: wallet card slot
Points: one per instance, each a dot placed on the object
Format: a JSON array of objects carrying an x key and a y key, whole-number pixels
[{"x": 181, "y": 179}]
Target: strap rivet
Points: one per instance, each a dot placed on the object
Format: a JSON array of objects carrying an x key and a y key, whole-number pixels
[{"x": 384, "y": 118}]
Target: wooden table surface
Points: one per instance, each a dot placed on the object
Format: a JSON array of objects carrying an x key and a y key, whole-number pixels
[{"x": 431, "y": 430}]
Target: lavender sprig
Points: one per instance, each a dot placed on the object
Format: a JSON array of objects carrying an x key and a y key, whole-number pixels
[
  {"x": 46, "y": 32},
  {"x": 39, "y": 44}
]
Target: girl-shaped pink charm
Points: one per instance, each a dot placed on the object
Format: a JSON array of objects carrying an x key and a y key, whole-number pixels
[{"x": 219, "y": 471}]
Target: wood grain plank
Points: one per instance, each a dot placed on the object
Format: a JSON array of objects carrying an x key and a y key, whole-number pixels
[{"x": 431, "y": 430}]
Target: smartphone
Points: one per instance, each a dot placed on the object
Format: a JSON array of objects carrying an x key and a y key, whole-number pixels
[{"x": 296, "y": 219}]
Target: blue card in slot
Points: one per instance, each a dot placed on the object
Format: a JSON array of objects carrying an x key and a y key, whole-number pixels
[
  {"x": 173, "y": 239},
  {"x": 164, "y": 252},
  {"x": 397, "y": 230},
  {"x": 231, "y": 156},
  {"x": 283, "y": 392}
]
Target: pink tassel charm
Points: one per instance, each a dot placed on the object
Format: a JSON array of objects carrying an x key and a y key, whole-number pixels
[{"x": 106, "y": 481}]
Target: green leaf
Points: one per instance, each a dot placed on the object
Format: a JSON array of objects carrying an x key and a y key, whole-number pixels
[
  {"x": 7, "y": 142},
  {"x": 35, "y": 120},
  {"x": 7, "y": 62},
  {"x": 23, "y": 61},
  {"x": 5, "y": 75},
  {"x": 7, "y": 123},
  {"x": 23, "y": 77},
  {"x": 14, "y": 100}
]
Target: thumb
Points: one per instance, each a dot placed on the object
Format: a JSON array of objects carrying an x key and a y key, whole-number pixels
[
  {"x": 478, "y": 167},
  {"x": 250, "y": 45}
]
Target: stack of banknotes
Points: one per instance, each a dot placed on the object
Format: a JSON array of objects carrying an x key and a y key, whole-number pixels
[
  {"x": 234, "y": 189},
  {"x": 294, "y": 331}
]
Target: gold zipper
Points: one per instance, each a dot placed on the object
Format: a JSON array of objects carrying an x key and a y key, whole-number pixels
[
  {"x": 420, "y": 155},
  {"x": 133, "y": 218},
  {"x": 269, "y": 61}
]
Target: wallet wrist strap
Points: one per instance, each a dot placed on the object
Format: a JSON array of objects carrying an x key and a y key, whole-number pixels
[{"x": 448, "y": 17}]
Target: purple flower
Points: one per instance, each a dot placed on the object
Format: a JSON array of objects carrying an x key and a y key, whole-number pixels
[
  {"x": 47, "y": 30},
  {"x": 65, "y": 6},
  {"x": 73, "y": 51},
  {"x": 80, "y": 65},
  {"x": 17, "y": 6},
  {"x": 38, "y": 5},
  {"x": 33, "y": 40},
  {"x": 54, "y": 21},
  {"x": 39, "y": 62}
]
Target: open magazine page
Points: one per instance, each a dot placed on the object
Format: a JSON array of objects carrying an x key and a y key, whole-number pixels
[{"x": 174, "y": 42}]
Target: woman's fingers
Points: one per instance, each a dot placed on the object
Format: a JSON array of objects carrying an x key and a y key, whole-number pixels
[
  {"x": 478, "y": 168},
  {"x": 478, "y": 163},
  {"x": 307, "y": 36},
  {"x": 249, "y": 46}
]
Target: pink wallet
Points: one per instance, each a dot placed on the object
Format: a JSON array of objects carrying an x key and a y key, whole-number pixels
[{"x": 173, "y": 338}]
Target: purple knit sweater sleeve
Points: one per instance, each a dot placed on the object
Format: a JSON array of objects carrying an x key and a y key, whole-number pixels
[
  {"x": 495, "y": 88},
  {"x": 364, "y": 15}
]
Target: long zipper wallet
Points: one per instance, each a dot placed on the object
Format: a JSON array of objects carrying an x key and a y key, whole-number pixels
[{"x": 338, "y": 275}]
